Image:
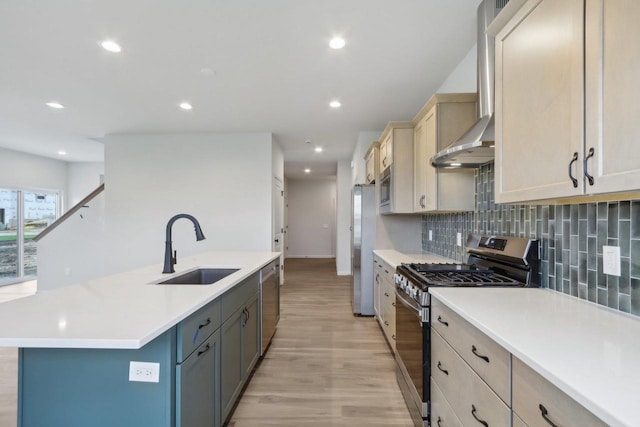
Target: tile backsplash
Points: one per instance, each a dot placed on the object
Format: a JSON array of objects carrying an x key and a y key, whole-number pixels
[{"x": 571, "y": 236}]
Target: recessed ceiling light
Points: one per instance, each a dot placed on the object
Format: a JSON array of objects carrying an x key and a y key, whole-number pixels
[
  {"x": 55, "y": 105},
  {"x": 186, "y": 106},
  {"x": 307, "y": 170},
  {"x": 335, "y": 104},
  {"x": 111, "y": 46},
  {"x": 62, "y": 153},
  {"x": 337, "y": 43},
  {"x": 318, "y": 149}
]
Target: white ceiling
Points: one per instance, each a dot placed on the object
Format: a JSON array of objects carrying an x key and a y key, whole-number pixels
[{"x": 272, "y": 69}]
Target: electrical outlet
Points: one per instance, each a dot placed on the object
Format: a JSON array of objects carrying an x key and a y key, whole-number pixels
[
  {"x": 430, "y": 235},
  {"x": 611, "y": 260},
  {"x": 146, "y": 372},
  {"x": 459, "y": 239}
]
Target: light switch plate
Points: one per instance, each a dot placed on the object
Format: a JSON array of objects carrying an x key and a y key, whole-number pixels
[{"x": 611, "y": 260}]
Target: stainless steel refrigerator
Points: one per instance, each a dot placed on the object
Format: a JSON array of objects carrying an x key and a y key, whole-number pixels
[{"x": 363, "y": 239}]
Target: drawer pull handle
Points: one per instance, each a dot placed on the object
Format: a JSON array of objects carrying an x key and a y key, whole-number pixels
[
  {"x": 545, "y": 415},
  {"x": 480, "y": 420},
  {"x": 206, "y": 348},
  {"x": 207, "y": 323},
  {"x": 438, "y": 422},
  {"x": 443, "y": 322},
  {"x": 386, "y": 294},
  {"x": 474, "y": 350},
  {"x": 386, "y": 323},
  {"x": 443, "y": 370},
  {"x": 393, "y": 303},
  {"x": 393, "y": 336}
]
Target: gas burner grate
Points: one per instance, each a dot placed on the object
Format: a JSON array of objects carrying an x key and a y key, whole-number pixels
[{"x": 467, "y": 278}]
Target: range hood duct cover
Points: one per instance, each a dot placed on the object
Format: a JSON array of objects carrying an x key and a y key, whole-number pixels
[{"x": 475, "y": 147}]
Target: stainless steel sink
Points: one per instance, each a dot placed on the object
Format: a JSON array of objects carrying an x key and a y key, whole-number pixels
[{"x": 201, "y": 276}]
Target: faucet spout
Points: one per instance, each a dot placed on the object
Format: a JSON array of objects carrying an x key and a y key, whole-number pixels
[{"x": 170, "y": 256}]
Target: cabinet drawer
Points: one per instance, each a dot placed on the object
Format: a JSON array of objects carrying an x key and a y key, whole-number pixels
[
  {"x": 532, "y": 395},
  {"x": 234, "y": 298},
  {"x": 488, "y": 359},
  {"x": 470, "y": 397},
  {"x": 195, "y": 329},
  {"x": 517, "y": 421},
  {"x": 442, "y": 414}
]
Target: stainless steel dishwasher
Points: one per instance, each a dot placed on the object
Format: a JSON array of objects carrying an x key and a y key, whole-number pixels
[{"x": 269, "y": 302}]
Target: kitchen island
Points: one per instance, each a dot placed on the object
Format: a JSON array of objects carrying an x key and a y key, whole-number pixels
[{"x": 77, "y": 344}]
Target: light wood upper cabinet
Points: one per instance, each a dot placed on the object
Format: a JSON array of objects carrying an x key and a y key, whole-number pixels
[
  {"x": 397, "y": 142},
  {"x": 555, "y": 125},
  {"x": 371, "y": 163},
  {"x": 613, "y": 89},
  {"x": 439, "y": 123},
  {"x": 386, "y": 152}
]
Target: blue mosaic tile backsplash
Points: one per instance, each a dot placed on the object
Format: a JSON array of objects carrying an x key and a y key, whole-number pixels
[{"x": 572, "y": 237}]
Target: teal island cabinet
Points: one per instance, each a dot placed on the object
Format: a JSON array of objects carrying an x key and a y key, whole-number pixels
[{"x": 202, "y": 364}]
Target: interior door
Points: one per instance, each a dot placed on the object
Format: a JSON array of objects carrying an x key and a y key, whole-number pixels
[{"x": 278, "y": 203}]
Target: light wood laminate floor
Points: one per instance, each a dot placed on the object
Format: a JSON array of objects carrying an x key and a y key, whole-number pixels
[{"x": 325, "y": 367}]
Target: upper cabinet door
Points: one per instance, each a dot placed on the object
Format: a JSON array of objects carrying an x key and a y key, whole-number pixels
[
  {"x": 420, "y": 165},
  {"x": 613, "y": 95},
  {"x": 539, "y": 102}
]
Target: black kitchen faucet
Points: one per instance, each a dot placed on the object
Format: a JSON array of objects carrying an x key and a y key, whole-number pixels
[{"x": 170, "y": 256}]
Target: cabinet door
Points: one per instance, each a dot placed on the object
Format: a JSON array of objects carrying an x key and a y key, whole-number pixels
[
  {"x": 377, "y": 282},
  {"x": 431, "y": 174},
  {"x": 197, "y": 386},
  {"x": 231, "y": 361},
  {"x": 539, "y": 102},
  {"x": 371, "y": 167},
  {"x": 250, "y": 343},
  {"x": 612, "y": 107},
  {"x": 420, "y": 161}
]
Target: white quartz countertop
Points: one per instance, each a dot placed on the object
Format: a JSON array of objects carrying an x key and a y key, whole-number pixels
[
  {"x": 395, "y": 258},
  {"x": 120, "y": 311},
  {"x": 591, "y": 353}
]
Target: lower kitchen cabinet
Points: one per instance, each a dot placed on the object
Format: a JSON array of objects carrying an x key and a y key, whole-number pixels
[
  {"x": 239, "y": 339},
  {"x": 198, "y": 386},
  {"x": 385, "y": 299}
]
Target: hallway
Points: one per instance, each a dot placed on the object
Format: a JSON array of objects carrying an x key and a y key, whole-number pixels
[{"x": 325, "y": 367}]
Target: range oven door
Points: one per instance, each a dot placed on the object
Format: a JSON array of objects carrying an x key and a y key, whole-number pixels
[{"x": 412, "y": 347}]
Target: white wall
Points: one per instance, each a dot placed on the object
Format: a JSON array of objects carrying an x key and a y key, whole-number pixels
[
  {"x": 311, "y": 218},
  {"x": 463, "y": 77},
  {"x": 29, "y": 172},
  {"x": 74, "y": 251},
  {"x": 359, "y": 172},
  {"x": 224, "y": 180},
  {"x": 82, "y": 179},
  {"x": 343, "y": 218}
]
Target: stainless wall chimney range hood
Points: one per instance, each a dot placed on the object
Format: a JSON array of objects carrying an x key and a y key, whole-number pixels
[{"x": 475, "y": 147}]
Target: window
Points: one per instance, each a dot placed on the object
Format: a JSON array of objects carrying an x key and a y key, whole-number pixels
[{"x": 23, "y": 215}]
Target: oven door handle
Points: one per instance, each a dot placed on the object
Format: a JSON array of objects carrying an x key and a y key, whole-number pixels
[{"x": 408, "y": 304}]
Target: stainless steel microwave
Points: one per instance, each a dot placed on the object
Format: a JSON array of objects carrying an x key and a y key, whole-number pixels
[{"x": 385, "y": 190}]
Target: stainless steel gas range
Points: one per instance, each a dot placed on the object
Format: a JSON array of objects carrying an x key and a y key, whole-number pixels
[{"x": 492, "y": 261}]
